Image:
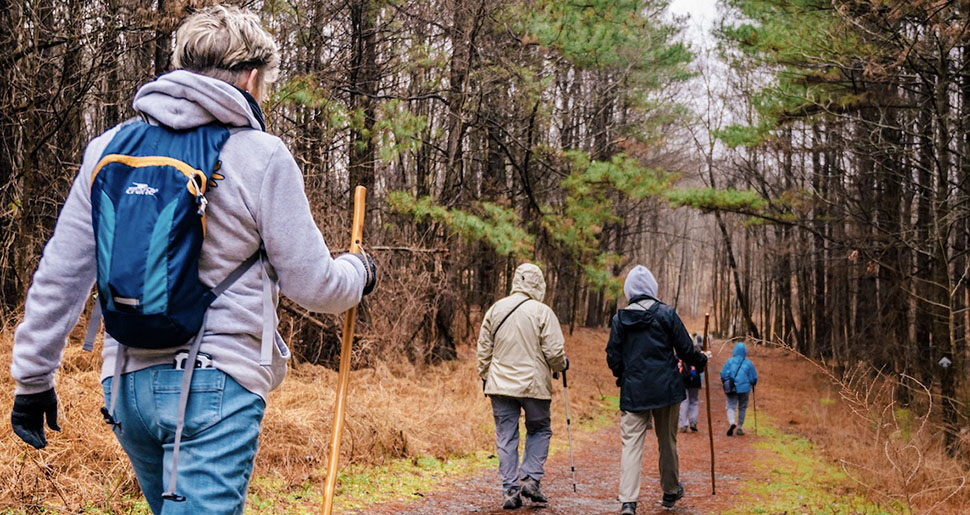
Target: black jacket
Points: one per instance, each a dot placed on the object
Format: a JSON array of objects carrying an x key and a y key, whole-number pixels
[{"x": 643, "y": 350}]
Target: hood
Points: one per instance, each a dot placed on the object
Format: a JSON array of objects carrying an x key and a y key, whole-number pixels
[
  {"x": 528, "y": 280},
  {"x": 740, "y": 351},
  {"x": 634, "y": 318},
  {"x": 185, "y": 100},
  {"x": 640, "y": 281}
]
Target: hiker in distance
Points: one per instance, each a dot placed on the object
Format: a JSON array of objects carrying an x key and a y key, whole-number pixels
[
  {"x": 692, "y": 382},
  {"x": 520, "y": 345},
  {"x": 646, "y": 340},
  {"x": 738, "y": 376},
  {"x": 136, "y": 223}
]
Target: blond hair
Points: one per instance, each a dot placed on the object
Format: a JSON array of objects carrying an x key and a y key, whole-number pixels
[{"x": 224, "y": 42}]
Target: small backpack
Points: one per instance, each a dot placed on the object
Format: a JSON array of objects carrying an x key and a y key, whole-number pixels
[{"x": 148, "y": 211}]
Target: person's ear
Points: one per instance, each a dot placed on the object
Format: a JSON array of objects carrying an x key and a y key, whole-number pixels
[{"x": 250, "y": 82}]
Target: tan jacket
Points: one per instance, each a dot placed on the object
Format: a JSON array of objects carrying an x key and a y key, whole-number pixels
[{"x": 519, "y": 358}]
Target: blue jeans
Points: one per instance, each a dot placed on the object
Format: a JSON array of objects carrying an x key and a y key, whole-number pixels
[
  {"x": 538, "y": 431},
  {"x": 222, "y": 422}
]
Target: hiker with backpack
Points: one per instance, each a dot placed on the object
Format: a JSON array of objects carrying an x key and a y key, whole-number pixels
[
  {"x": 190, "y": 220},
  {"x": 647, "y": 339},
  {"x": 692, "y": 383},
  {"x": 520, "y": 346},
  {"x": 738, "y": 376}
]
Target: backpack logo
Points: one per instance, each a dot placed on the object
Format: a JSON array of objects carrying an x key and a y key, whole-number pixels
[{"x": 138, "y": 188}]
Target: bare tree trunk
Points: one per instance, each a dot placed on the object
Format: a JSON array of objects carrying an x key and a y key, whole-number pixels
[{"x": 363, "y": 82}]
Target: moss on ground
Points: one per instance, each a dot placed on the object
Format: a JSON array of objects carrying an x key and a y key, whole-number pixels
[
  {"x": 799, "y": 480},
  {"x": 361, "y": 486},
  {"x": 401, "y": 480}
]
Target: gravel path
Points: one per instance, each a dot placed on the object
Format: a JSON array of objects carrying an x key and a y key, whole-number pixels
[{"x": 597, "y": 471}]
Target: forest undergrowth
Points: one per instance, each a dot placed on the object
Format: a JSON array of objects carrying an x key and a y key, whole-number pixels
[
  {"x": 892, "y": 453},
  {"x": 410, "y": 427},
  {"x": 433, "y": 416}
]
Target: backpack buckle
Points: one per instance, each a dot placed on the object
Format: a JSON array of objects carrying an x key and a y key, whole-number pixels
[
  {"x": 202, "y": 203},
  {"x": 108, "y": 419},
  {"x": 172, "y": 496}
]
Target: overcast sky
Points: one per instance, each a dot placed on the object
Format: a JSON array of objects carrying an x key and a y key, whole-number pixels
[{"x": 702, "y": 14}]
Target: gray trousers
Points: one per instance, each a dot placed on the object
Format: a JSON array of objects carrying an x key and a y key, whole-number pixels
[
  {"x": 688, "y": 408},
  {"x": 633, "y": 427},
  {"x": 538, "y": 431},
  {"x": 737, "y": 402}
]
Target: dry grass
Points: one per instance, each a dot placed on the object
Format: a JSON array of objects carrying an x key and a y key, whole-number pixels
[
  {"x": 396, "y": 410},
  {"x": 892, "y": 453}
]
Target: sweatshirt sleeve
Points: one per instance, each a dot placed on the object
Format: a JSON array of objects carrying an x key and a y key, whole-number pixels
[
  {"x": 307, "y": 273},
  {"x": 552, "y": 341},
  {"x": 60, "y": 286},
  {"x": 485, "y": 344},
  {"x": 614, "y": 353}
]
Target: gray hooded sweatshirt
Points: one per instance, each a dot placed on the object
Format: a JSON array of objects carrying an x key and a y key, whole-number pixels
[
  {"x": 259, "y": 200},
  {"x": 640, "y": 281}
]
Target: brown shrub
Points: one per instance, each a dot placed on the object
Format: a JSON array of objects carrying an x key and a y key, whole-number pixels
[
  {"x": 395, "y": 410},
  {"x": 894, "y": 453}
]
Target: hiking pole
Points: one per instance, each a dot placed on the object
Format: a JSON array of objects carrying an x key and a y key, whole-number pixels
[
  {"x": 707, "y": 394},
  {"x": 754, "y": 395},
  {"x": 343, "y": 376},
  {"x": 569, "y": 434}
]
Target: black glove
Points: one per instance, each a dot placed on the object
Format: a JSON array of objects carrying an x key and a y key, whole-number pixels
[
  {"x": 619, "y": 381},
  {"x": 27, "y": 416},
  {"x": 370, "y": 267},
  {"x": 567, "y": 365}
]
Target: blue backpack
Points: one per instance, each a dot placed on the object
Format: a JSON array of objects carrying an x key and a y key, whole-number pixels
[{"x": 148, "y": 210}]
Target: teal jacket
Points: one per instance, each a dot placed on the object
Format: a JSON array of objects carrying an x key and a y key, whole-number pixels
[{"x": 744, "y": 378}]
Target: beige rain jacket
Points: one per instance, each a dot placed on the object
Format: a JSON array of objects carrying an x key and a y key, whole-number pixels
[{"x": 518, "y": 359}]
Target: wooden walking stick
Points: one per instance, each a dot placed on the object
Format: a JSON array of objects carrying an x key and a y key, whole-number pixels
[
  {"x": 343, "y": 377},
  {"x": 707, "y": 394}
]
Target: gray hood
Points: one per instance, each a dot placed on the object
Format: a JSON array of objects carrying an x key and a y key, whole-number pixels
[
  {"x": 184, "y": 100},
  {"x": 528, "y": 279},
  {"x": 640, "y": 281}
]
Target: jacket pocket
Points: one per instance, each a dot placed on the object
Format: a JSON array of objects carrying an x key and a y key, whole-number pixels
[{"x": 204, "y": 408}]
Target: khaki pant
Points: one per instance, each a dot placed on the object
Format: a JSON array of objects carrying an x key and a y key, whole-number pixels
[{"x": 633, "y": 427}]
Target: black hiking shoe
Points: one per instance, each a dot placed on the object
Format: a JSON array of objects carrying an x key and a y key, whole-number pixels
[
  {"x": 670, "y": 499},
  {"x": 511, "y": 499},
  {"x": 731, "y": 430},
  {"x": 740, "y": 432},
  {"x": 628, "y": 508},
  {"x": 530, "y": 490},
  {"x": 693, "y": 428}
]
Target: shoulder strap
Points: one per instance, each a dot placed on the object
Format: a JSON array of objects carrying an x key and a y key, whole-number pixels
[
  {"x": 94, "y": 323},
  {"x": 648, "y": 306},
  {"x": 738, "y": 371},
  {"x": 268, "y": 337},
  {"x": 236, "y": 273},
  {"x": 507, "y": 315}
]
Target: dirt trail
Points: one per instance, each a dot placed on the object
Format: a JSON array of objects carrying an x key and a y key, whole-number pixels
[{"x": 597, "y": 470}]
